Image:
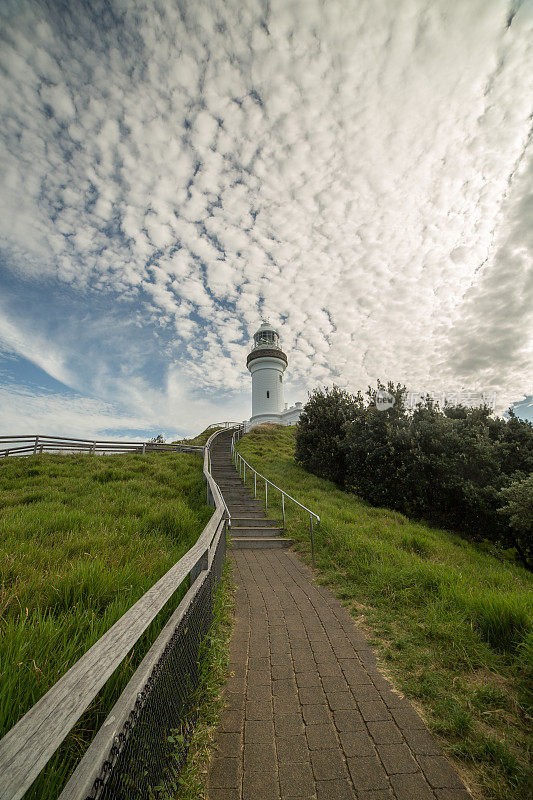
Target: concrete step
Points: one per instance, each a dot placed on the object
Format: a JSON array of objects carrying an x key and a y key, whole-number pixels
[
  {"x": 254, "y": 522},
  {"x": 255, "y": 533},
  {"x": 243, "y": 543},
  {"x": 240, "y": 509},
  {"x": 255, "y": 516}
]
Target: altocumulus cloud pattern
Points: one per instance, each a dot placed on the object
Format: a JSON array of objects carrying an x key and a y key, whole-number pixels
[{"x": 358, "y": 172}]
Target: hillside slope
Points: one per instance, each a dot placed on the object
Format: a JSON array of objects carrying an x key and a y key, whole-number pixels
[
  {"x": 82, "y": 538},
  {"x": 452, "y": 624}
]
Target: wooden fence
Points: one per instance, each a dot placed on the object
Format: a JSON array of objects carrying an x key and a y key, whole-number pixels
[
  {"x": 29, "y": 745},
  {"x": 35, "y": 444}
]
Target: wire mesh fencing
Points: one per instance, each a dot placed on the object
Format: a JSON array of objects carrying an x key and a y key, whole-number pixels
[{"x": 149, "y": 754}]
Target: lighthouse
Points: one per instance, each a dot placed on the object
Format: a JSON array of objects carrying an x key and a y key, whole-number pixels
[{"x": 267, "y": 363}]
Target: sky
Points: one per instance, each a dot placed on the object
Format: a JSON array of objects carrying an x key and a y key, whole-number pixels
[{"x": 172, "y": 171}]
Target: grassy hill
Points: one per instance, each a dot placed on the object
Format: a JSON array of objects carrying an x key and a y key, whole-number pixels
[
  {"x": 81, "y": 539},
  {"x": 452, "y": 624},
  {"x": 200, "y": 439}
]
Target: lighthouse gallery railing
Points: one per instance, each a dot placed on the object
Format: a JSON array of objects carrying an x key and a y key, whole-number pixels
[{"x": 142, "y": 745}]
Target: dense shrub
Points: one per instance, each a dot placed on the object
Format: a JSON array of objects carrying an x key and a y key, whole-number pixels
[
  {"x": 519, "y": 512},
  {"x": 321, "y": 431},
  {"x": 455, "y": 467}
]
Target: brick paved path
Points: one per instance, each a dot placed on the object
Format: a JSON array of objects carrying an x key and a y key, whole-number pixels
[{"x": 309, "y": 715}]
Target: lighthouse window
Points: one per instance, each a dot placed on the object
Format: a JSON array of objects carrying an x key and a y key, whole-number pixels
[
  {"x": 268, "y": 393},
  {"x": 280, "y": 379}
]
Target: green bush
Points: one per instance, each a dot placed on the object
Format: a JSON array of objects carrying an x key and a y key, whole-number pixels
[
  {"x": 452, "y": 467},
  {"x": 321, "y": 431},
  {"x": 519, "y": 511}
]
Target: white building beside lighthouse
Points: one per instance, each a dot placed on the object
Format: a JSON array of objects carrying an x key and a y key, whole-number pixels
[{"x": 267, "y": 362}]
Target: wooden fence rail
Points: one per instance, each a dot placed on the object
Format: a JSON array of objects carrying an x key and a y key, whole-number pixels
[
  {"x": 29, "y": 745},
  {"x": 35, "y": 444}
]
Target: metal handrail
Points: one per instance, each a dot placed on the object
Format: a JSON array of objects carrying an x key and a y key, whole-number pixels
[{"x": 241, "y": 464}]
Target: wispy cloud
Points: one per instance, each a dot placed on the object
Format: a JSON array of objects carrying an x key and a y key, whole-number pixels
[{"x": 359, "y": 173}]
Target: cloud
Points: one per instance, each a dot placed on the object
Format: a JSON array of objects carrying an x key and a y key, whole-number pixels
[{"x": 359, "y": 173}]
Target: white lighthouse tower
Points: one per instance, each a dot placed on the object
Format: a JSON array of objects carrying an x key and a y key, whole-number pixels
[{"x": 267, "y": 362}]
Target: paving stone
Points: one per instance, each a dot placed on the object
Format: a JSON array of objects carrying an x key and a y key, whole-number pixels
[
  {"x": 406, "y": 717},
  {"x": 280, "y": 660},
  {"x": 296, "y": 779},
  {"x": 286, "y": 688},
  {"x": 230, "y": 721},
  {"x": 264, "y": 747},
  {"x": 320, "y": 737},
  {"x": 261, "y": 693},
  {"x": 258, "y": 652},
  {"x": 327, "y": 765},
  {"x": 367, "y": 656},
  {"x": 256, "y": 760},
  {"x": 348, "y": 720},
  {"x": 259, "y": 786},
  {"x": 301, "y": 650},
  {"x": 304, "y": 664},
  {"x": 374, "y": 712},
  {"x": 292, "y": 749},
  {"x": 260, "y": 664},
  {"x": 335, "y": 790},
  {"x": 224, "y": 773},
  {"x": 282, "y": 673},
  {"x": 384, "y": 733},
  {"x": 312, "y": 696},
  {"x": 379, "y": 794},
  {"x": 258, "y": 677},
  {"x": 396, "y": 758},
  {"x": 257, "y": 709},
  {"x": 329, "y": 669},
  {"x": 257, "y": 731},
  {"x": 228, "y": 745},
  {"x": 224, "y": 794},
  {"x": 421, "y": 742},
  {"x": 391, "y": 698},
  {"x": 335, "y": 684},
  {"x": 452, "y": 794},
  {"x": 367, "y": 773},
  {"x": 340, "y": 700},
  {"x": 366, "y": 693},
  {"x": 439, "y": 772},
  {"x": 411, "y": 787},
  {"x": 316, "y": 715},
  {"x": 289, "y": 725},
  {"x": 357, "y": 743},
  {"x": 234, "y": 700},
  {"x": 355, "y": 674},
  {"x": 308, "y": 679},
  {"x": 283, "y": 706},
  {"x": 280, "y": 649}
]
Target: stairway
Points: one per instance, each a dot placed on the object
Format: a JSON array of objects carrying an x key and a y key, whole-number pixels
[{"x": 250, "y": 527}]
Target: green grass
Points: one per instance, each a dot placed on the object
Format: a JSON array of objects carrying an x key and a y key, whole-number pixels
[
  {"x": 82, "y": 539},
  {"x": 452, "y": 623}
]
